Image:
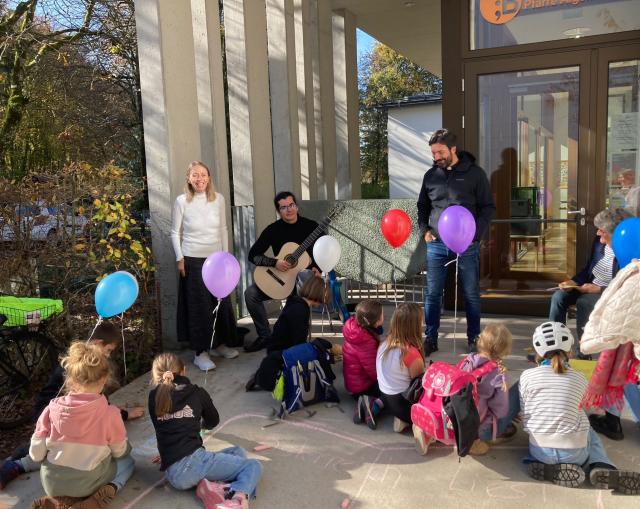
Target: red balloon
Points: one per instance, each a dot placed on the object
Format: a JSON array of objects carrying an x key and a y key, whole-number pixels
[{"x": 396, "y": 227}]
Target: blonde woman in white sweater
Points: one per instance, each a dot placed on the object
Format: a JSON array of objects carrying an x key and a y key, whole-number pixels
[
  {"x": 199, "y": 228},
  {"x": 563, "y": 448}
]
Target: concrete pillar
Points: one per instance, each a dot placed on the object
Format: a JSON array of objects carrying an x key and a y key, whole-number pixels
[
  {"x": 172, "y": 137},
  {"x": 314, "y": 57},
  {"x": 304, "y": 76},
  {"x": 327, "y": 184},
  {"x": 205, "y": 17},
  {"x": 249, "y": 108},
  {"x": 345, "y": 66},
  {"x": 283, "y": 91}
]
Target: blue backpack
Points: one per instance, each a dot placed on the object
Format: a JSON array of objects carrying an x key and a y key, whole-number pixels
[{"x": 305, "y": 380}]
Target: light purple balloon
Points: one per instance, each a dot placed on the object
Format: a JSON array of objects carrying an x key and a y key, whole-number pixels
[
  {"x": 221, "y": 273},
  {"x": 457, "y": 228}
]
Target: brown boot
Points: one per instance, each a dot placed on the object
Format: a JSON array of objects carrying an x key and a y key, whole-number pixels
[
  {"x": 98, "y": 500},
  {"x": 54, "y": 502},
  {"x": 479, "y": 448}
]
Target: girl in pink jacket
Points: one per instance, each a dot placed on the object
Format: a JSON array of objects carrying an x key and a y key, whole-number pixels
[{"x": 361, "y": 338}]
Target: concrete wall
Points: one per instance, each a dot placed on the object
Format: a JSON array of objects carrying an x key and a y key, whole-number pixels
[
  {"x": 409, "y": 129},
  {"x": 366, "y": 255}
]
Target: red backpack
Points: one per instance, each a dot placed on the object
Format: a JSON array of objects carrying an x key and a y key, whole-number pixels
[{"x": 448, "y": 408}]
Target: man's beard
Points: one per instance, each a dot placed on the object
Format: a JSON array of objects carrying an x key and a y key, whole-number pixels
[{"x": 444, "y": 163}]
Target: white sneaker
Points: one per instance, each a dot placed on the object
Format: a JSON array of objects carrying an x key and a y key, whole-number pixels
[
  {"x": 204, "y": 362},
  {"x": 224, "y": 351}
]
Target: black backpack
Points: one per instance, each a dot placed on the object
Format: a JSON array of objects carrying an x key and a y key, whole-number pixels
[{"x": 464, "y": 416}]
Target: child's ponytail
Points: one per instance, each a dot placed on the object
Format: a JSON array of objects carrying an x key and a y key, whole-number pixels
[
  {"x": 368, "y": 313},
  {"x": 559, "y": 360},
  {"x": 84, "y": 364},
  {"x": 166, "y": 367}
]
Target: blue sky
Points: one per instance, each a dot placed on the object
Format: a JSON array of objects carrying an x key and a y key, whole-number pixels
[{"x": 365, "y": 42}]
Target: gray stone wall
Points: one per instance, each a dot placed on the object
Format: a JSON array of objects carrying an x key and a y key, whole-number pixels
[{"x": 366, "y": 255}]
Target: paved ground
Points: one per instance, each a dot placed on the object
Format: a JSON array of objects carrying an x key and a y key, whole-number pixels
[{"x": 319, "y": 462}]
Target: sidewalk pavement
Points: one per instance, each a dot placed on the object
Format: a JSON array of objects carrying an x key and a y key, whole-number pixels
[{"x": 325, "y": 460}]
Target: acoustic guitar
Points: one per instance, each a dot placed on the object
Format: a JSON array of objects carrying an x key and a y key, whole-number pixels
[{"x": 279, "y": 285}]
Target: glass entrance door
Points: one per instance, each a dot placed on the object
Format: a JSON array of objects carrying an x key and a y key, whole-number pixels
[{"x": 525, "y": 128}]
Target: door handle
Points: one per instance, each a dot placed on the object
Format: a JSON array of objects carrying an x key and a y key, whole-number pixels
[{"x": 582, "y": 212}]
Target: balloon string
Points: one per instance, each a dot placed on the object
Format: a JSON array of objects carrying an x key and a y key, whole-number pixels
[
  {"x": 213, "y": 333},
  {"x": 124, "y": 348},
  {"x": 395, "y": 286},
  {"x": 455, "y": 307},
  {"x": 324, "y": 306},
  {"x": 94, "y": 329}
]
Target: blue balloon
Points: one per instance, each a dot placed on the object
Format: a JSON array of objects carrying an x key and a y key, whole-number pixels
[
  {"x": 115, "y": 294},
  {"x": 626, "y": 241}
]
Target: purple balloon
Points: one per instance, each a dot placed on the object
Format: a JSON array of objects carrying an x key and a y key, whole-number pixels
[
  {"x": 221, "y": 273},
  {"x": 457, "y": 228}
]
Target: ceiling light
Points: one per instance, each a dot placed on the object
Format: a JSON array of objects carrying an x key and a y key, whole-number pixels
[{"x": 576, "y": 33}]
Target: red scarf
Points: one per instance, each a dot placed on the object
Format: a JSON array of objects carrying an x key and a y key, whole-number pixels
[{"x": 614, "y": 369}]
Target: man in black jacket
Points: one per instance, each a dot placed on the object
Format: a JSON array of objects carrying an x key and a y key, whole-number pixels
[
  {"x": 291, "y": 227},
  {"x": 454, "y": 179}
]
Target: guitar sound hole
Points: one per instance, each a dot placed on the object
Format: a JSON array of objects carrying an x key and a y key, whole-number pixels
[{"x": 291, "y": 259}]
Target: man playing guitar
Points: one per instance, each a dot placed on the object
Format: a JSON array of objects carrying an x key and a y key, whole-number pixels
[{"x": 291, "y": 227}]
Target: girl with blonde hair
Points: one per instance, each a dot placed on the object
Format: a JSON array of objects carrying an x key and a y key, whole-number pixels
[
  {"x": 400, "y": 359},
  {"x": 81, "y": 439},
  {"x": 178, "y": 410},
  {"x": 198, "y": 229}
]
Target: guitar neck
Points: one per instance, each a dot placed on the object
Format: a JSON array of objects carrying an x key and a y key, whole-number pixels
[{"x": 311, "y": 238}]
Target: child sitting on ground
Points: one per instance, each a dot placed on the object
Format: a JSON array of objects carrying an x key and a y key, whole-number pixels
[
  {"x": 291, "y": 328},
  {"x": 494, "y": 344},
  {"x": 399, "y": 360},
  {"x": 361, "y": 339},
  {"x": 178, "y": 410},
  {"x": 563, "y": 448},
  {"x": 106, "y": 336},
  {"x": 81, "y": 439}
]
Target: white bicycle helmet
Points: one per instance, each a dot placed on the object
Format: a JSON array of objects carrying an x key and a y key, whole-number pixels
[{"x": 550, "y": 336}]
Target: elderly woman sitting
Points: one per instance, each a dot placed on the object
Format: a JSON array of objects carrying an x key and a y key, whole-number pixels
[{"x": 585, "y": 287}]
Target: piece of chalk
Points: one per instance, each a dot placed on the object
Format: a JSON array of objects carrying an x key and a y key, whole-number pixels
[
  {"x": 345, "y": 503},
  {"x": 261, "y": 447}
]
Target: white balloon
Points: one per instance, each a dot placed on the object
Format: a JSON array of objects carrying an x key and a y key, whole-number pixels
[{"x": 326, "y": 252}]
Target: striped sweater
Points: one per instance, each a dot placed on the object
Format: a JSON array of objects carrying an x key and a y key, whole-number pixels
[
  {"x": 77, "y": 439},
  {"x": 551, "y": 412}
]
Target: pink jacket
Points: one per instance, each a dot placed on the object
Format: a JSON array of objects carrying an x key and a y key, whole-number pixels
[{"x": 358, "y": 357}]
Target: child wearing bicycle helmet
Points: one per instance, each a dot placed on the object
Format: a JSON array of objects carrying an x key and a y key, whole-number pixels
[
  {"x": 81, "y": 439},
  {"x": 563, "y": 448}
]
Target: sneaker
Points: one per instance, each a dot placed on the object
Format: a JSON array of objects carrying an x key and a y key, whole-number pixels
[
  {"x": 562, "y": 474},
  {"x": 251, "y": 383},
  {"x": 367, "y": 410},
  {"x": 358, "y": 416},
  {"x": 98, "y": 500},
  {"x": 236, "y": 502},
  {"x": 258, "y": 344},
  {"x": 211, "y": 493},
  {"x": 421, "y": 440},
  {"x": 204, "y": 362},
  {"x": 608, "y": 424},
  {"x": 606, "y": 478},
  {"x": 479, "y": 448},
  {"x": 9, "y": 471},
  {"x": 54, "y": 502},
  {"x": 224, "y": 351},
  {"x": 430, "y": 347},
  {"x": 399, "y": 425}
]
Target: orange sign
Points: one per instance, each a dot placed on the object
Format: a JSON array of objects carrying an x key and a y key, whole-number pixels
[{"x": 499, "y": 12}]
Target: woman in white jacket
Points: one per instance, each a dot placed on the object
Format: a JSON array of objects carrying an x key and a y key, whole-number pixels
[{"x": 199, "y": 228}]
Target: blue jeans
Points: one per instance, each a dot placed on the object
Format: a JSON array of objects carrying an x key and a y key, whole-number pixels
[
  {"x": 124, "y": 470},
  {"x": 632, "y": 397},
  {"x": 438, "y": 254},
  {"x": 486, "y": 431},
  {"x": 562, "y": 300},
  {"x": 229, "y": 465},
  {"x": 593, "y": 453}
]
